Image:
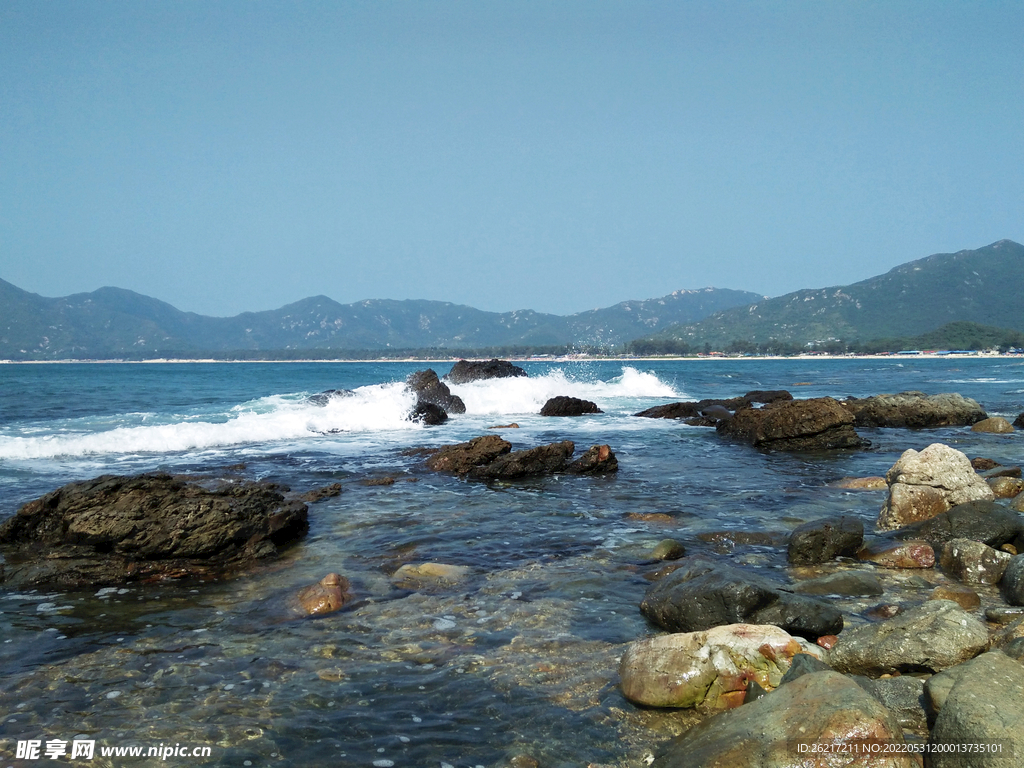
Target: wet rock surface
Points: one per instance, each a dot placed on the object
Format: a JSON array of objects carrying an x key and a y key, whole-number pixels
[
  {"x": 994, "y": 424},
  {"x": 541, "y": 460},
  {"x": 794, "y": 425},
  {"x": 700, "y": 408},
  {"x": 431, "y": 390},
  {"x": 117, "y": 529},
  {"x": 1013, "y": 581},
  {"x": 983, "y": 521},
  {"x": 915, "y": 410},
  {"x": 703, "y": 593},
  {"x": 973, "y": 562},
  {"x": 933, "y": 636},
  {"x": 898, "y": 554},
  {"x": 462, "y": 457},
  {"x": 328, "y": 595},
  {"x": 563, "y": 405},
  {"x": 923, "y": 484},
  {"x": 710, "y": 670},
  {"x": 465, "y": 371},
  {"x": 984, "y": 705},
  {"x": 819, "y": 707}
]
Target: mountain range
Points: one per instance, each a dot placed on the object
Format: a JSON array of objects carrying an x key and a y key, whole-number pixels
[
  {"x": 983, "y": 286},
  {"x": 116, "y": 323}
]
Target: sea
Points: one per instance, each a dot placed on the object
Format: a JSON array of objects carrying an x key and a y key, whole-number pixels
[{"x": 518, "y": 661}]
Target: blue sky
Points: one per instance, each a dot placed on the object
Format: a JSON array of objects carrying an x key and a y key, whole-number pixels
[{"x": 557, "y": 156}]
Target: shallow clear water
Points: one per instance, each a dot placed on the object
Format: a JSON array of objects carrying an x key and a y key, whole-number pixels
[{"x": 520, "y": 658}]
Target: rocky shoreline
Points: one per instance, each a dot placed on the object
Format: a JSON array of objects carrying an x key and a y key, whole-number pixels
[{"x": 763, "y": 665}]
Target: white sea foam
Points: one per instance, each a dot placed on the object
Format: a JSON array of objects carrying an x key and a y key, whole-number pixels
[{"x": 376, "y": 411}]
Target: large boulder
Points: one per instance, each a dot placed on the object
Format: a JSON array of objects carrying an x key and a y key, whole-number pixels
[
  {"x": 781, "y": 729},
  {"x": 983, "y": 521},
  {"x": 794, "y": 425},
  {"x": 915, "y": 410},
  {"x": 995, "y": 424},
  {"x": 462, "y": 457},
  {"x": 703, "y": 593},
  {"x": 466, "y": 371},
  {"x": 825, "y": 539},
  {"x": 543, "y": 459},
  {"x": 925, "y": 483},
  {"x": 429, "y": 389},
  {"x": 563, "y": 405},
  {"x": 930, "y": 637},
  {"x": 708, "y": 670},
  {"x": 116, "y": 529},
  {"x": 984, "y": 706},
  {"x": 1013, "y": 581},
  {"x": 973, "y": 562}
]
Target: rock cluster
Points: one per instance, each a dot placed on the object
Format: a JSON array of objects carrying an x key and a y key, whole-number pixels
[
  {"x": 925, "y": 483},
  {"x": 915, "y": 410},
  {"x": 116, "y": 529},
  {"x": 794, "y": 425},
  {"x": 434, "y": 401},
  {"x": 490, "y": 458}
]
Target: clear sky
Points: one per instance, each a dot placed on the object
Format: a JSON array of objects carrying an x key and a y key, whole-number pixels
[{"x": 557, "y": 156}]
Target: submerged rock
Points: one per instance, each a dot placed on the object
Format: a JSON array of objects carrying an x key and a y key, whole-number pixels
[
  {"x": 328, "y": 595},
  {"x": 711, "y": 669},
  {"x": 703, "y": 593},
  {"x": 115, "y": 529},
  {"x": 861, "y": 483},
  {"x": 922, "y": 484},
  {"x": 794, "y": 425},
  {"x": 563, "y": 405},
  {"x": 425, "y": 574},
  {"x": 915, "y": 410},
  {"x": 898, "y": 554},
  {"x": 930, "y": 637},
  {"x": 713, "y": 407},
  {"x": 466, "y": 371},
  {"x": 995, "y": 424},
  {"x": 323, "y": 398},
  {"x": 822, "y": 707},
  {"x": 319, "y": 494}
]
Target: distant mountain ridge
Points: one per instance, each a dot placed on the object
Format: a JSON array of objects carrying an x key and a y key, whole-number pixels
[
  {"x": 114, "y": 322},
  {"x": 984, "y": 286}
]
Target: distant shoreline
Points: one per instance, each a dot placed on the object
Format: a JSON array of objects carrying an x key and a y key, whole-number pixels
[{"x": 589, "y": 358}]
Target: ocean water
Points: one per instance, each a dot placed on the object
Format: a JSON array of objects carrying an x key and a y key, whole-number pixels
[{"x": 520, "y": 658}]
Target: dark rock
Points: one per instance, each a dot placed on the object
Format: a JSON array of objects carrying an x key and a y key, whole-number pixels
[
  {"x": 428, "y": 414},
  {"x": 465, "y": 371},
  {"x": 1015, "y": 649},
  {"x": 915, "y": 410},
  {"x": 319, "y": 494},
  {"x": 323, "y": 398},
  {"x": 541, "y": 460},
  {"x": 568, "y": 406},
  {"x": 982, "y": 465},
  {"x": 598, "y": 460},
  {"x": 983, "y": 521},
  {"x": 794, "y": 425},
  {"x": 804, "y": 664},
  {"x": 668, "y": 549},
  {"x": 985, "y": 705},
  {"x": 116, "y": 529},
  {"x": 703, "y": 593},
  {"x": 430, "y": 389},
  {"x": 903, "y": 696},
  {"x": 932, "y": 636},
  {"x": 1012, "y": 584},
  {"x": 462, "y": 457},
  {"x": 695, "y": 410},
  {"x": 820, "y": 707},
  {"x": 1019, "y": 421},
  {"x": 1004, "y": 615},
  {"x": 998, "y": 471},
  {"x": 821, "y": 540}
]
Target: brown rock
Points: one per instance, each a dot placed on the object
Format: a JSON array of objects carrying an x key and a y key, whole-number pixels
[
  {"x": 513, "y": 425},
  {"x": 996, "y": 424},
  {"x": 328, "y": 595},
  {"x": 534, "y": 461},
  {"x": 899, "y": 554},
  {"x": 965, "y": 597},
  {"x": 862, "y": 483},
  {"x": 794, "y": 425},
  {"x": 462, "y": 457},
  {"x": 1006, "y": 487},
  {"x": 598, "y": 460},
  {"x": 319, "y": 494},
  {"x": 981, "y": 464}
]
